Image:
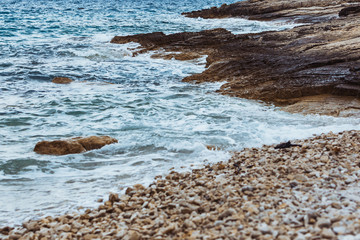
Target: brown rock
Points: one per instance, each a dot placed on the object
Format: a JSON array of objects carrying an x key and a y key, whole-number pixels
[
  {"x": 61, "y": 80},
  {"x": 96, "y": 142},
  {"x": 32, "y": 226},
  {"x": 282, "y": 67},
  {"x": 113, "y": 197},
  {"x": 59, "y": 147},
  {"x": 5, "y": 230},
  {"x": 73, "y": 145},
  {"x": 310, "y": 10}
]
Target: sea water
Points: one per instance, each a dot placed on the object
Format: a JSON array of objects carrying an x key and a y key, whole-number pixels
[{"x": 160, "y": 122}]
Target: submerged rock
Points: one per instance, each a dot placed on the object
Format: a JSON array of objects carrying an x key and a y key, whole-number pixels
[
  {"x": 61, "y": 80},
  {"x": 73, "y": 145}
]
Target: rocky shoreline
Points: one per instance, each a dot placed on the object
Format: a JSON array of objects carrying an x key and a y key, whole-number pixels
[
  {"x": 306, "y": 190},
  {"x": 310, "y": 68}
]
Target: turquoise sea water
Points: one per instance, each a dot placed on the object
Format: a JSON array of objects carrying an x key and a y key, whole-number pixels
[{"x": 159, "y": 121}]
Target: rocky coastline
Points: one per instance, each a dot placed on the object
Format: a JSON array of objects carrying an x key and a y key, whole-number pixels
[
  {"x": 305, "y": 190},
  {"x": 312, "y": 68}
]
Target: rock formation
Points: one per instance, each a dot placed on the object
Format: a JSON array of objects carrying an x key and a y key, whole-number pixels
[
  {"x": 73, "y": 145},
  {"x": 321, "y": 58},
  {"x": 300, "y": 11}
]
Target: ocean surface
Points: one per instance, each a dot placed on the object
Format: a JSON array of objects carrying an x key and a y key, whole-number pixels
[{"x": 160, "y": 122}]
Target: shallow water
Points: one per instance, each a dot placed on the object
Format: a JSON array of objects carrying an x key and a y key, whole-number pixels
[{"x": 160, "y": 122}]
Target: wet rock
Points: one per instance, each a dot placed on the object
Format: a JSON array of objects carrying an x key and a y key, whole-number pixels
[
  {"x": 286, "y": 67},
  {"x": 349, "y": 10},
  {"x": 5, "y": 230},
  {"x": 32, "y": 226},
  {"x": 114, "y": 197},
  {"x": 64, "y": 228},
  {"x": 95, "y": 142},
  {"x": 309, "y": 11},
  {"x": 61, "y": 80},
  {"x": 73, "y": 145}
]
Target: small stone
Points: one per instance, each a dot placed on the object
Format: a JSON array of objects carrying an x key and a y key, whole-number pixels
[
  {"x": 129, "y": 191},
  {"x": 169, "y": 229},
  {"x": 139, "y": 187},
  {"x": 14, "y": 236},
  {"x": 328, "y": 233},
  {"x": 227, "y": 213},
  {"x": 264, "y": 229},
  {"x": 300, "y": 178},
  {"x": 61, "y": 80},
  {"x": 247, "y": 188},
  {"x": 323, "y": 223},
  {"x": 340, "y": 230},
  {"x": 45, "y": 232},
  {"x": 255, "y": 234},
  {"x": 32, "y": 226},
  {"x": 5, "y": 230},
  {"x": 324, "y": 159},
  {"x": 64, "y": 228},
  {"x": 336, "y": 205},
  {"x": 218, "y": 222}
]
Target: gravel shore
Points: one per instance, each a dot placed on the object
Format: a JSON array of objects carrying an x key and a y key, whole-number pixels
[{"x": 310, "y": 191}]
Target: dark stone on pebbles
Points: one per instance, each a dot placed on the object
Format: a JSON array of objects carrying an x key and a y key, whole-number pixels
[{"x": 286, "y": 145}]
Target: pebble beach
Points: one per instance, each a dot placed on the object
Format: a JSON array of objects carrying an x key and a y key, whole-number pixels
[{"x": 307, "y": 191}]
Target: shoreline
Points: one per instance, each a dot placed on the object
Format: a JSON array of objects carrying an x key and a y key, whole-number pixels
[
  {"x": 307, "y": 191},
  {"x": 251, "y": 195},
  {"x": 309, "y": 68}
]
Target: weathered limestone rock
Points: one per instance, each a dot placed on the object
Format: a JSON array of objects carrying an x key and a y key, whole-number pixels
[
  {"x": 73, "y": 145},
  {"x": 284, "y": 68},
  {"x": 61, "y": 80},
  {"x": 309, "y": 10}
]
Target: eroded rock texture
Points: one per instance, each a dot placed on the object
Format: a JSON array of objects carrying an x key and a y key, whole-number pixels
[
  {"x": 73, "y": 145},
  {"x": 278, "y": 67},
  {"x": 301, "y": 11}
]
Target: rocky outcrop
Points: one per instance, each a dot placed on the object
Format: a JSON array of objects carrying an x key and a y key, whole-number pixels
[
  {"x": 73, "y": 145},
  {"x": 301, "y": 11},
  {"x": 61, "y": 80},
  {"x": 277, "y": 67}
]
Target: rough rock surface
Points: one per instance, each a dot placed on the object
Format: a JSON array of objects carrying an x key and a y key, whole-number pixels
[
  {"x": 278, "y": 67},
  {"x": 301, "y": 192},
  {"x": 300, "y": 11},
  {"x": 73, "y": 145},
  {"x": 62, "y": 80}
]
